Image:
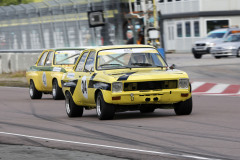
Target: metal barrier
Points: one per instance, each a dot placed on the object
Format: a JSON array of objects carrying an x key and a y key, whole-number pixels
[{"x": 59, "y": 23}]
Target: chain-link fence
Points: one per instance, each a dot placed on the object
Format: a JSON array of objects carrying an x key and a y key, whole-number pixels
[{"x": 59, "y": 23}]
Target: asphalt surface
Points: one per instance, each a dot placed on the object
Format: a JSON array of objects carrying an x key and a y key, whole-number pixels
[{"x": 40, "y": 129}]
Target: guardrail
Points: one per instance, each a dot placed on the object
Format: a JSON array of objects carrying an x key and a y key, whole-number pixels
[{"x": 17, "y": 60}]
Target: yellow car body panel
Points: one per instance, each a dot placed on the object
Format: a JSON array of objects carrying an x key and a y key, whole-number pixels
[
  {"x": 46, "y": 70},
  {"x": 84, "y": 85}
]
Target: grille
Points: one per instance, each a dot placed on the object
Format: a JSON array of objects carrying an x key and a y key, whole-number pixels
[
  {"x": 201, "y": 44},
  {"x": 150, "y": 85}
]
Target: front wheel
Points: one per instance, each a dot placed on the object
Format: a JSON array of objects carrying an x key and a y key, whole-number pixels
[
  {"x": 197, "y": 56},
  {"x": 183, "y": 108},
  {"x": 238, "y": 53},
  {"x": 104, "y": 110},
  {"x": 34, "y": 93},
  {"x": 72, "y": 109},
  {"x": 56, "y": 91}
]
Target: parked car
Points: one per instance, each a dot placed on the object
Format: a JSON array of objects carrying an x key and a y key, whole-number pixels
[
  {"x": 121, "y": 78},
  {"x": 229, "y": 47},
  {"x": 45, "y": 76},
  {"x": 214, "y": 37}
]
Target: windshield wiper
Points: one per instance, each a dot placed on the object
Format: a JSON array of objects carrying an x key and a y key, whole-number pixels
[
  {"x": 142, "y": 64},
  {"x": 110, "y": 65}
]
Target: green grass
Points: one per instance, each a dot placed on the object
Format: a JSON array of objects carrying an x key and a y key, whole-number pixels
[{"x": 16, "y": 79}]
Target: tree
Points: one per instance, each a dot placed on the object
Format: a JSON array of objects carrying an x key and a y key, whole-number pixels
[{"x": 14, "y": 2}]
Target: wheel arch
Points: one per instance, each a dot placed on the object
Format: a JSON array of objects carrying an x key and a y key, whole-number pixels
[{"x": 96, "y": 93}]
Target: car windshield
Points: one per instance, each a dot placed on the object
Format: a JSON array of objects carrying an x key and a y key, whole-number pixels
[
  {"x": 215, "y": 35},
  {"x": 66, "y": 57},
  {"x": 129, "y": 58},
  {"x": 233, "y": 38}
]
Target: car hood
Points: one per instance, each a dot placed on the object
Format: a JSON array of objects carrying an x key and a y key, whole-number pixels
[
  {"x": 146, "y": 75},
  {"x": 209, "y": 40},
  {"x": 228, "y": 45},
  {"x": 66, "y": 67}
]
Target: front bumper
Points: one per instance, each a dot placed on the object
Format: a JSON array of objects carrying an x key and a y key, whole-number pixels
[
  {"x": 202, "y": 50},
  {"x": 224, "y": 52},
  {"x": 150, "y": 97}
]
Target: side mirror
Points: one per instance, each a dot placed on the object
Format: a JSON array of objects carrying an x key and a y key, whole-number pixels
[{"x": 173, "y": 66}]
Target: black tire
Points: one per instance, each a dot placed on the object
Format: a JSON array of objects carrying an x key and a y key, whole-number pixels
[
  {"x": 33, "y": 92},
  {"x": 197, "y": 56},
  {"x": 56, "y": 91},
  {"x": 147, "y": 109},
  {"x": 72, "y": 109},
  {"x": 183, "y": 108},
  {"x": 217, "y": 57},
  {"x": 238, "y": 53},
  {"x": 104, "y": 110}
]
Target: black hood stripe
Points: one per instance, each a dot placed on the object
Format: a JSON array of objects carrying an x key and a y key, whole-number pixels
[
  {"x": 125, "y": 76},
  {"x": 93, "y": 76}
]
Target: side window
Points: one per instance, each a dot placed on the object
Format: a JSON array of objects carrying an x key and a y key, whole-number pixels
[
  {"x": 89, "y": 66},
  {"x": 49, "y": 59},
  {"x": 42, "y": 59},
  {"x": 196, "y": 29},
  {"x": 80, "y": 64},
  {"x": 179, "y": 29},
  {"x": 188, "y": 29}
]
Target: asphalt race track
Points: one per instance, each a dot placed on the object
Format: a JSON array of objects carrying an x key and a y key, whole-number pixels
[{"x": 42, "y": 129}]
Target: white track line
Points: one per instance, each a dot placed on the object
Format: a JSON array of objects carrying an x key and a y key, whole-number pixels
[
  {"x": 112, "y": 147},
  {"x": 195, "y": 85},
  {"x": 218, "y": 88}
]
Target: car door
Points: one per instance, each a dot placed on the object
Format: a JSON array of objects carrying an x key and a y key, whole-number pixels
[
  {"x": 78, "y": 94},
  {"x": 49, "y": 70},
  {"x": 41, "y": 80},
  {"x": 87, "y": 79}
]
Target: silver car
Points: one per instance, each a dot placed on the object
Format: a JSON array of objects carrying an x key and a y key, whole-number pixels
[
  {"x": 229, "y": 47},
  {"x": 214, "y": 37}
]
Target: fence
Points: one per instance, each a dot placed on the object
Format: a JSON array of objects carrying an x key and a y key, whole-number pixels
[{"x": 59, "y": 23}]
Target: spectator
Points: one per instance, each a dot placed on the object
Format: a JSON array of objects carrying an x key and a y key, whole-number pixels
[{"x": 130, "y": 37}]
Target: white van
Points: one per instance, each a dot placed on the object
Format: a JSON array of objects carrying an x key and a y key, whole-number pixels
[{"x": 214, "y": 37}]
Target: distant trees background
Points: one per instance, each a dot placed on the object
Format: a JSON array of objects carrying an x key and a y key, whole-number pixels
[{"x": 14, "y": 2}]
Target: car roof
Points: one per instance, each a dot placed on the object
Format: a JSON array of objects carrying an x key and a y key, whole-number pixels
[
  {"x": 120, "y": 46},
  {"x": 224, "y": 29},
  {"x": 67, "y": 48}
]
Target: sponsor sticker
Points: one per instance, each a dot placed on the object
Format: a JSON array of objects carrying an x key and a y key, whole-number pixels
[
  {"x": 70, "y": 75},
  {"x": 44, "y": 79},
  {"x": 56, "y": 69},
  {"x": 84, "y": 87}
]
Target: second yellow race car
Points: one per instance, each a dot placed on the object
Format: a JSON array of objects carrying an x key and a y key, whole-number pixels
[
  {"x": 45, "y": 76},
  {"x": 122, "y": 78}
]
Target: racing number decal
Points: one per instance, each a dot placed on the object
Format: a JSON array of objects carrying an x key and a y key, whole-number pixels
[
  {"x": 44, "y": 79},
  {"x": 84, "y": 87}
]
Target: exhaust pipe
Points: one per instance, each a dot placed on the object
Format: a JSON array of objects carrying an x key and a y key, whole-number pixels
[{"x": 147, "y": 99}]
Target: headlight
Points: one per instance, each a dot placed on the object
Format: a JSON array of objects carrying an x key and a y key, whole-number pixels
[
  {"x": 211, "y": 44},
  {"x": 183, "y": 83},
  {"x": 117, "y": 87},
  {"x": 231, "y": 47}
]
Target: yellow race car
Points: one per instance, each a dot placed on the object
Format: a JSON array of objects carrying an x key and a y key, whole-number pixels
[
  {"x": 122, "y": 78},
  {"x": 45, "y": 76}
]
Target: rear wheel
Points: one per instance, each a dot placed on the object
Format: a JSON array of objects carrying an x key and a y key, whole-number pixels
[
  {"x": 104, "y": 110},
  {"x": 34, "y": 93},
  {"x": 56, "y": 91},
  {"x": 183, "y": 108},
  {"x": 72, "y": 109}
]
